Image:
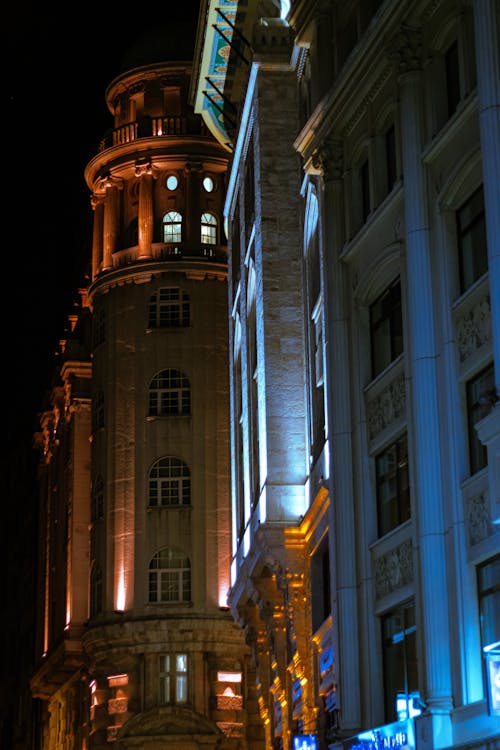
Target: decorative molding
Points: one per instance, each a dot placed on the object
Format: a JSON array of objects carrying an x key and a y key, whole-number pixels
[
  {"x": 386, "y": 406},
  {"x": 473, "y": 328},
  {"x": 478, "y": 518},
  {"x": 328, "y": 159},
  {"x": 393, "y": 570},
  {"x": 405, "y": 50}
]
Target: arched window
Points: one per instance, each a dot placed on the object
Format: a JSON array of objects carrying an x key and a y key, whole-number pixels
[
  {"x": 169, "y": 394},
  {"x": 169, "y": 577},
  {"x": 95, "y": 590},
  {"x": 172, "y": 227},
  {"x": 169, "y": 483},
  {"x": 97, "y": 499},
  {"x": 169, "y": 308},
  {"x": 208, "y": 229}
]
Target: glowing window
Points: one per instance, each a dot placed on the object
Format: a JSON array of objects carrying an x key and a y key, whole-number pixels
[
  {"x": 169, "y": 394},
  {"x": 169, "y": 577},
  {"x": 169, "y": 483},
  {"x": 172, "y": 227},
  {"x": 173, "y": 678},
  {"x": 208, "y": 184},
  {"x": 208, "y": 229},
  {"x": 172, "y": 182}
]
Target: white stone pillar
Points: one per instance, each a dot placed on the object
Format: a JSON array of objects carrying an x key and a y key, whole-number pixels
[
  {"x": 146, "y": 221},
  {"x": 329, "y": 161},
  {"x": 487, "y": 35},
  {"x": 427, "y": 486}
]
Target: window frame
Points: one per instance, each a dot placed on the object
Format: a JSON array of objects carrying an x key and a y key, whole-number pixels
[
  {"x": 175, "y": 483},
  {"x": 172, "y": 227},
  {"x": 169, "y": 307},
  {"x": 169, "y": 570},
  {"x": 398, "y": 504},
  {"x": 169, "y": 394},
  {"x": 173, "y": 682}
]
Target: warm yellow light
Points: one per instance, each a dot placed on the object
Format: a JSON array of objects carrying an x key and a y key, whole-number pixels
[
  {"x": 117, "y": 679},
  {"x": 120, "y": 594},
  {"x": 229, "y": 676}
]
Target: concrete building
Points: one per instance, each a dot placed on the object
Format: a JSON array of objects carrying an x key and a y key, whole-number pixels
[
  {"x": 136, "y": 646},
  {"x": 363, "y": 211}
]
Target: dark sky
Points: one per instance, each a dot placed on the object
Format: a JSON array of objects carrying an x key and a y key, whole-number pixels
[{"x": 60, "y": 60}]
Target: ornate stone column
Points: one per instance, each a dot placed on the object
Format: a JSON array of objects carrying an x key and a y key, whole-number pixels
[
  {"x": 427, "y": 486},
  {"x": 487, "y": 35},
  {"x": 97, "y": 233},
  {"x": 144, "y": 172},
  {"x": 328, "y": 161}
]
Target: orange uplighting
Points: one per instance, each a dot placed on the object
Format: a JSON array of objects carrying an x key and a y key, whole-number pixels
[{"x": 120, "y": 594}]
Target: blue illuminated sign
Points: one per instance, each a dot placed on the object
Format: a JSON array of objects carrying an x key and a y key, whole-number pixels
[
  {"x": 305, "y": 742},
  {"x": 396, "y": 736}
]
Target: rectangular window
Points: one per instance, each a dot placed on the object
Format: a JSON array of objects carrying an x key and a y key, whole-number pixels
[
  {"x": 399, "y": 657},
  {"x": 320, "y": 584},
  {"x": 393, "y": 487},
  {"x": 364, "y": 177},
  {"x": 488, "y": 585},
  {"x": 471, "y": 234},
  {"x": 173, "y": 672},
  {"x": 452, "y": 72},
  {"x": 480, "y": 399},
  {"x": 390, "y": 158},
  {"x": 386, "y": 328}
]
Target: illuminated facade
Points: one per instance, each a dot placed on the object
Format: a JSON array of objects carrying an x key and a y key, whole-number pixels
[
  {"x": 136, "y": 644},
  {"x": 364, "y": 306}
]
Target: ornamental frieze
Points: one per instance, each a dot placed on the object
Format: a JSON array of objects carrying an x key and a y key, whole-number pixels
[
  {"x": 393, "y": 570},
  {"x": 478, "y": 518},
  {"x": 386, "y": 407},
  {"x": 474, "y": 328}
]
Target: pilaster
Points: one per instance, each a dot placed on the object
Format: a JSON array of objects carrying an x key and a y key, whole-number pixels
[{"x": 426, "y": 485}]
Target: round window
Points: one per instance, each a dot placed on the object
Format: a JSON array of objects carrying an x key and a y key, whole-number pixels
[
  {"x": 172, "y": 182},
  {"x": 208, "y": 184}
]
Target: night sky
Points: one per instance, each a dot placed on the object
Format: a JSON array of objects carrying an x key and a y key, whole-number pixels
[{"x": 60, "y": 60}]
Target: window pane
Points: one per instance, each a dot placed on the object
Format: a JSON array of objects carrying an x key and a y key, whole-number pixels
[
  {"x": 479, "y": 406},
  {"x": 489, "y": 601},
  {"x": 386, "y": 328},
  {"x": 400, "y": 656},
  {"x": 471, "y": 233}
]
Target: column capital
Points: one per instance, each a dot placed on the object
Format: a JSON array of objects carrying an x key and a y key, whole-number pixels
[
  {"x": 328, "y": 159},
  {"x": 107, "y": 181},
  {"x": 405, "y": 50},
  {"x": 143, "y": 167}
]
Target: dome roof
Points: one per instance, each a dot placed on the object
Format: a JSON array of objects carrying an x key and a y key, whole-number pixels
[{"x": 161, "y": 43}]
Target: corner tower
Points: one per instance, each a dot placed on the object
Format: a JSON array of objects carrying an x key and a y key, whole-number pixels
[{"x": 165, "y": 659}]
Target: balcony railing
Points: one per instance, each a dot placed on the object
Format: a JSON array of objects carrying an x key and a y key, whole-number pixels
[
  {"x": 172, "y": 252},
  {"x": 148, "y": 127}
]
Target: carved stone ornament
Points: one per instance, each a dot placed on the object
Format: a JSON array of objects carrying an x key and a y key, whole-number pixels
[
  {"x": 393, "y": 570},
  {"x": 328, "y": 159},
  {"x": 479, "y": 524},
  {"x": 386, "y": 407},
  {"x": 474, "y": 328},
  {"x": 143, "y": 167},
  {"x": 405, "y": 51}
]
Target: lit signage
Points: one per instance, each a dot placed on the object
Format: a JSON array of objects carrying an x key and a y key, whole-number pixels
[
  {"x": 305, "y": 742},
  {"x": 397, "y": 736},
  {"x": 492, "y": 655}
]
